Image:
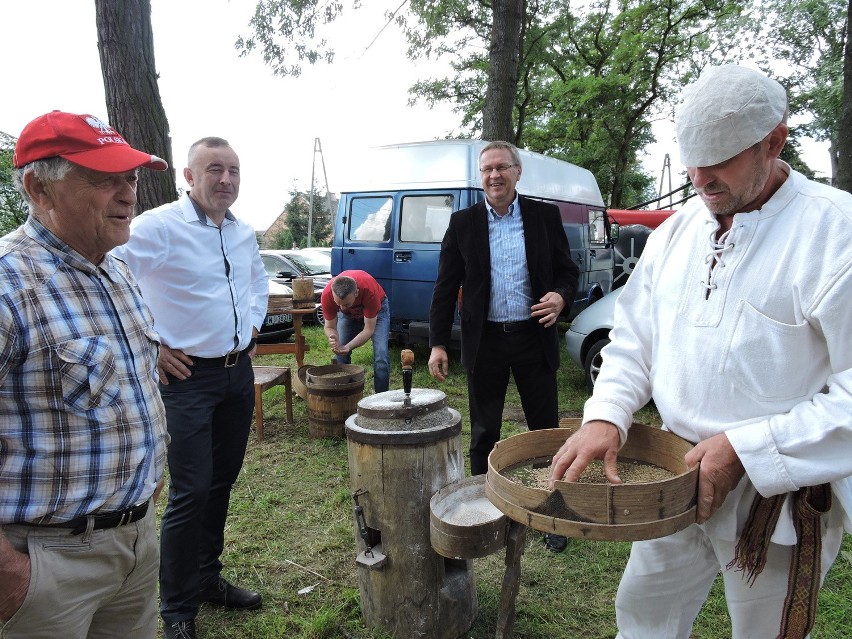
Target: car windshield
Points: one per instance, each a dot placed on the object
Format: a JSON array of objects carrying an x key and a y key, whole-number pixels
[
  {"x": 311, "y": 263},
  {"x": 273, "y": 264}
]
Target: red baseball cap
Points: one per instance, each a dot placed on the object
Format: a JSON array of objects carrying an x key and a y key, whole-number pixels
[{"x": 81, "y": 139}]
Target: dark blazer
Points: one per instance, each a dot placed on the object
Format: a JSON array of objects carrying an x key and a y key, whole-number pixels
[{"x": 466, "y": 261}]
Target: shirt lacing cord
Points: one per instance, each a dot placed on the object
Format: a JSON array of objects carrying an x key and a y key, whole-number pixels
[{"x": 716, "y": 257}]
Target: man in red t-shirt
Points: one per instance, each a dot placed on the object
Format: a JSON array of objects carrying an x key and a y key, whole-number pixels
[{"x": 356, "y": 310}]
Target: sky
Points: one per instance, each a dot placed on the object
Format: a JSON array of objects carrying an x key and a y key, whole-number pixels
[{"x": 50, "y": 61}]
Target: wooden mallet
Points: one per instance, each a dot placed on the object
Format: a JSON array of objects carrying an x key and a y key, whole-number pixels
[{"x": 407, "y": 358}]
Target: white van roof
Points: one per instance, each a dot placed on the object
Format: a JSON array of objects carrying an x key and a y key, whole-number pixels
[{"x": 455, "y": 164}]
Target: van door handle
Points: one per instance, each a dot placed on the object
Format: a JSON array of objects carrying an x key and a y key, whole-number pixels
[
  {"x": 579, "y": 258},
  {"x": 402, "y": 256}
]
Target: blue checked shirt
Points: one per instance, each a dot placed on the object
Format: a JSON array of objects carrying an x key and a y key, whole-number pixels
[
  {"x": 511, "y": 290},
  {"x": 82, "y": 425}
]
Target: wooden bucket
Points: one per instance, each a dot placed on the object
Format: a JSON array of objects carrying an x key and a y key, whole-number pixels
[
  {"x": 332, "y": 394},
  {"x": 303, "y": 292},
  {"x": 463, "y": 523},
  {"x": 299, "y": 381},
  {"x": 604, "y": 512}
]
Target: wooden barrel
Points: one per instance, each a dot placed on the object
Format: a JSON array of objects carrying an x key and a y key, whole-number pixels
[
  {"x": 332, "y": 394},
  {"x": 303, "y": 292}
]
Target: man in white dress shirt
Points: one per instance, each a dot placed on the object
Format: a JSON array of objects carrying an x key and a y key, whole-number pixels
[
  {"x": 200, "y": 272},
  {"x": 737, "y": 321}
]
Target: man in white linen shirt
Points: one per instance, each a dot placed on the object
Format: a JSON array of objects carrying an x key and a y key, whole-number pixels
[
  {"x": 737, "y": 322},
  {"x": 200, "y": 272}
]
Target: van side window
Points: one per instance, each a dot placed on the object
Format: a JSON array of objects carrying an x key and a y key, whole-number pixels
[
  {"x": 370, "y": 219},
  {"x": 424, "y": 218},
  {"x": 597, "y": 231}
]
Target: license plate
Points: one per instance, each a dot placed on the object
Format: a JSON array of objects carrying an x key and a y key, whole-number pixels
[{"x": 273, "y": 320}]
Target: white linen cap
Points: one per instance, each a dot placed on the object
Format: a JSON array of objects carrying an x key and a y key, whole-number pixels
[{"x": 727, "y": 110}]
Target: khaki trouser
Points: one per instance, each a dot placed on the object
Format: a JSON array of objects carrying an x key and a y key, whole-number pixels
[{"x": 98, "y": 585}]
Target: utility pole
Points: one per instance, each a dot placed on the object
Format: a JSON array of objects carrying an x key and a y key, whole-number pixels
[
  {"x": 318, "y": 149},
  {"x": 667, "y": 168}
]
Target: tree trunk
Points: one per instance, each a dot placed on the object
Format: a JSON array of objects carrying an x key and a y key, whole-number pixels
[
  {"x": 504, "y": 53},
  {"x": 844, "y": 133},
  {"x": 134, "y": 108}
]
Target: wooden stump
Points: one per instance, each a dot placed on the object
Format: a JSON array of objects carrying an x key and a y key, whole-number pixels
[{"x": 407, "y": 588}]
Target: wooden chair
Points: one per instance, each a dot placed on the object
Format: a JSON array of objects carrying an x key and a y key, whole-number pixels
[{"x": 266, "y": 377}]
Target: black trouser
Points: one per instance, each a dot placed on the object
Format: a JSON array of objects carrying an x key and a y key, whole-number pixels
[
  {"x": 209, "y": 417},
  {"x": 499, "y": 354}
]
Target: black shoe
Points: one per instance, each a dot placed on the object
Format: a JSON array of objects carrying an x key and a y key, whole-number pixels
[
  {"x": 220, "y": 593},
  {"x": 555, "y": 543},
  {"x": 179, "y": 629}
]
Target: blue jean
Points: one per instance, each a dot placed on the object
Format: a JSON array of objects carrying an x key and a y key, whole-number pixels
[{"x": 348, "y": 327}]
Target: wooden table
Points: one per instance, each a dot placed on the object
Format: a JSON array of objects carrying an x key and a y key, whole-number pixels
[{"x": 283, "y": 305}]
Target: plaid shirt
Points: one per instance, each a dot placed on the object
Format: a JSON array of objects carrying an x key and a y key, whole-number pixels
[{"x": 82, "y": 425}]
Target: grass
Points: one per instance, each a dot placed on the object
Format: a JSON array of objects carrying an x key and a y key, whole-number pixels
[{"x": 290, "y": 535}]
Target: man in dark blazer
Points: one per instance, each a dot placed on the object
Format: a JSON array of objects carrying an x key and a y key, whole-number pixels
[{"x": 510, "y": 256}]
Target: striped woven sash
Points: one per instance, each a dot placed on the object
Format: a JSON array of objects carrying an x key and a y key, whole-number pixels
[{"x": 810, "y": 504}]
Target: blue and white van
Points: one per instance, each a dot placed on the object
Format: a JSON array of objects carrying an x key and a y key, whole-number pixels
[{"x": 390, "y": 221}]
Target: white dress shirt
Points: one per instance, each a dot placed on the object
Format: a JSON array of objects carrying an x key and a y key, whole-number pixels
[{"x": 205, "y": 285}]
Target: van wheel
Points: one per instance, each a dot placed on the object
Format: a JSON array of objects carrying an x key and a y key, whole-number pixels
[
  {"x": 593, "y": 361},
  {"x": 319, "y": 318}
]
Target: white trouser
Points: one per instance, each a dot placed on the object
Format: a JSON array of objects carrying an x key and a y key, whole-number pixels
[{"x": 667, "y": 580}]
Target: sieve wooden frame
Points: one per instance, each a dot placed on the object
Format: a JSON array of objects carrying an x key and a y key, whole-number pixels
[{"x": 604, "y": 512}]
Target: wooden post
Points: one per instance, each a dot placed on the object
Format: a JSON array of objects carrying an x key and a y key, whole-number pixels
[{"x": 515, "y": 541}]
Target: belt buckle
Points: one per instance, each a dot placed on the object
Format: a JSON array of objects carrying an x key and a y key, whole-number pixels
[{"x": 231, "y": 359}]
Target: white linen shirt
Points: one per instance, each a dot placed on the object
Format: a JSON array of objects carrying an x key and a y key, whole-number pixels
[
  {"x": 205, "y": 285},
  {"x": 766, "y": 357}
]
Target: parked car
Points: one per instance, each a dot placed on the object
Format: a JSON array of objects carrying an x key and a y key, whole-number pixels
[
  {"x": 284, "y": 265},
  {"x": 589, "y": 333},
  {"x": 313, "y": 262},
  {"x": 277, "y": 326}
]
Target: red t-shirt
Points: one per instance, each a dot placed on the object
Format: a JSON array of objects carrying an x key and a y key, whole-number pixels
[{"x": 368, "y": 300}]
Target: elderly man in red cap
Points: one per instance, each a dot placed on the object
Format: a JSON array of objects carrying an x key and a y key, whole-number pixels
[
  {"x": 82, "y": 426},
  {"x": 745, "y": 345}
]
